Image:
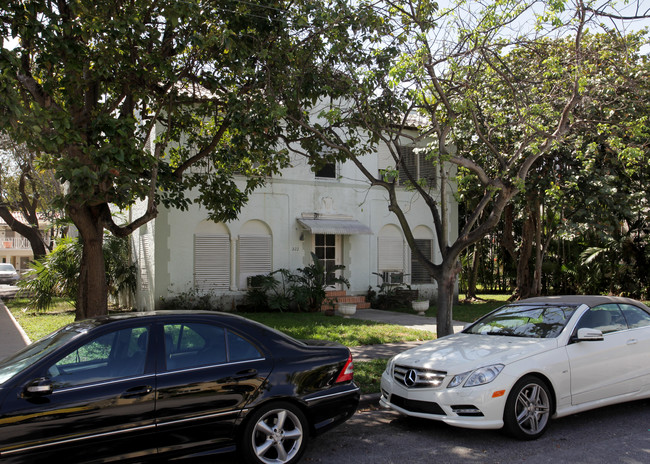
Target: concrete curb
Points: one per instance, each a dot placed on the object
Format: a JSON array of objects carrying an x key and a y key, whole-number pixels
[
  {"x": 12, "y": 336},
  {"x": 19, "y": 328}
]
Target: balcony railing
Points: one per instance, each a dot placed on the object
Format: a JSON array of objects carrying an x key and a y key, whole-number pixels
[{"x": 15, "y": 243}]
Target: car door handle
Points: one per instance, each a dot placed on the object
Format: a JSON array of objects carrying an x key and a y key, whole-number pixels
[
  {"x": 632, "y": 341},
  {"x": 137, "y": 391},
  {"x": 247, "y": 374}
]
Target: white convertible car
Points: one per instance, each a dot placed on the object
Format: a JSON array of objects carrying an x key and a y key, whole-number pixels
[{"x": 526, "y": 362}]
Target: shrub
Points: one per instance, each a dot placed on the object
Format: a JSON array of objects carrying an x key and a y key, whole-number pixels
[
  {"x": 57, "y": 274},
  {"x": 282, "y": 290},
  {"x": 190, "y": 300}
]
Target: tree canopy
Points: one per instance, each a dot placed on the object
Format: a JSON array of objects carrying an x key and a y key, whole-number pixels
[
  {"x": 159, "y": 101},
  {"x": 481, "y": 85},
  {"x": 163, "y": 102}
]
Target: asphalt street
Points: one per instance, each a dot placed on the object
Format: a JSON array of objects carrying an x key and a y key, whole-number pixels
[
  {"x": 617, "y": 434},
  {"x": 613, "y": 435}
]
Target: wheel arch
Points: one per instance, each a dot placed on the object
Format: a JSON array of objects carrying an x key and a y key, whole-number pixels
[
  {"x": 544, "y": 378},
  {"x": 281, "y": 399}
]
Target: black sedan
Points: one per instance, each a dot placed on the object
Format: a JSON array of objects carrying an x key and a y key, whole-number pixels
[{"x": 169, "y": 385}]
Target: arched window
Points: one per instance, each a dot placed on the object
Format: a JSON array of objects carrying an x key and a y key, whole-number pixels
[
  {"x": 254, "y": 252},
  {"x": 211, "y": 256}
]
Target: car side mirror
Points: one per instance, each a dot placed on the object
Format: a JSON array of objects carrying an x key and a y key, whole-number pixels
[
  {"x": 39, "y": 387},
  {"x": 588, "y": 335}
]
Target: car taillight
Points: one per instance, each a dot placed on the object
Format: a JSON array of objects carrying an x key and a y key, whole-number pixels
[{"x": 347, "y": 373}]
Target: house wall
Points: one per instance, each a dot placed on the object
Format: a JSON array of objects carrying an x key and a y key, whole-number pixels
[{"x": 164, "y": 248}]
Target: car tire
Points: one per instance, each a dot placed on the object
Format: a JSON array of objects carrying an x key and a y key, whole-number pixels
[
  {"x": 528, "y": 409},
  {"x": 276, "y": 433}
]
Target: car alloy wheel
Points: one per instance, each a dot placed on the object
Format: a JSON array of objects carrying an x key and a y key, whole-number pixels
[
  {"x": 528, "y": 409},
  {"x": 275, "y": 434}
]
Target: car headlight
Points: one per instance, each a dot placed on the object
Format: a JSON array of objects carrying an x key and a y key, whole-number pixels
[
  {"x": 477, "y": 377},
  {"x": 389, "y": 366}
]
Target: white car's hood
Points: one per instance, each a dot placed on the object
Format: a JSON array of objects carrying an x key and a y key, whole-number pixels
[{"x": 463, "y": 352}]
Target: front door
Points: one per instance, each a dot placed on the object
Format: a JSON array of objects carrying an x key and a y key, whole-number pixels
[
  {"x": 327, "y": 248},
  {"x": 102, "y": 399},
  {"x": 606, "y": 368}
]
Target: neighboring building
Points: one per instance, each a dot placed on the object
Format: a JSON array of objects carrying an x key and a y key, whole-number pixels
[
  {"x": 332, "y": 213},
  {"x": 14, "y": 248}
]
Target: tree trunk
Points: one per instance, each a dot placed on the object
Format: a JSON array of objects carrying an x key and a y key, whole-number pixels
[
  {"x": 525, "y": 252},
  {"x": 473, "y": 273},
  {"x": 536, "y": 286},
  {"x": 92, "y": 297},
  {"x": 444, "y": 321}
]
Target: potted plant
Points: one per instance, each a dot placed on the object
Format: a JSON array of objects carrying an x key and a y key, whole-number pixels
[
  {"x": 420, "y": 306},
  {"x": 347, "y": 309}
]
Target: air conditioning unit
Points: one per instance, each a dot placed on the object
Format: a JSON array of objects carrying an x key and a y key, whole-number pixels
[
  {"x": 393, "y": 277},
  {"x": 252, "y": 281}
]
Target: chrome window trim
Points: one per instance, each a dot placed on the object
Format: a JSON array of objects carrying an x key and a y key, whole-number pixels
[
  {"x": 210, "y": 366},
  {"x": 100, "y": 383}
]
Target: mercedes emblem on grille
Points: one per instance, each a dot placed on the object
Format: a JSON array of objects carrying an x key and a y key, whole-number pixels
[{"x": 411, "y": 378}]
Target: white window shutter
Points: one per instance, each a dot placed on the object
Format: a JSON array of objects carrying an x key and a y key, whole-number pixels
[
  {"x": 145, "y": 257},
  {"x": 390, "y": 254},
  {"x": 419, "y": 273},
  {"x": 211, "y": 262},
  {"x": 254, "y": 257}
]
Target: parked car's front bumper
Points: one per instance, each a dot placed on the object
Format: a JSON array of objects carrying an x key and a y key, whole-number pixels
[
  {"x": 453, "y": 406},
  {"x": 11, "y": 280}
]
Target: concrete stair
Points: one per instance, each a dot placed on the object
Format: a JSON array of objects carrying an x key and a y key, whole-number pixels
[{"x": 341, "y": 296}]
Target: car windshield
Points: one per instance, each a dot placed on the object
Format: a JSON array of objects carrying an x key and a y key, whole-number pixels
[
  {"x": 37, "y": 351},
  {"x": 7, "y": 267},
  {"x": 525, "y": 320}
]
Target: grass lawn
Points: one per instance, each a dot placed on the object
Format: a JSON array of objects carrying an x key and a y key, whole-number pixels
[
  {"x": 349, "y": 332},
  {"x": 464, "y": 312},
  {"x": 38, "y": 324},
  {"x": 367, "y": 374}
]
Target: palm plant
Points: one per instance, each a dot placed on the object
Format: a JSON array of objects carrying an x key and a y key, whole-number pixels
[{"x": 56, "y": 275}]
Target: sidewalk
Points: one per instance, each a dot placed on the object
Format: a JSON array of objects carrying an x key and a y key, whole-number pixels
[{"x": 12, "y": 336}]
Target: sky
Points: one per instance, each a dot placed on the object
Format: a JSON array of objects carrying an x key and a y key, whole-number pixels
[{"x": 626, "y": 8}]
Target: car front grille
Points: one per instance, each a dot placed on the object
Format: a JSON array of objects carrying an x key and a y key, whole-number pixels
[
  {"x": 426, "y": 407},
  {"x": 412, "y": 377}
]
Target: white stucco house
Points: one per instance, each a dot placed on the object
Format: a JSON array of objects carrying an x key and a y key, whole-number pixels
[{"x": 333, "y": 213}]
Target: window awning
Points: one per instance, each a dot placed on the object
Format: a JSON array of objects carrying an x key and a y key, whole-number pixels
[{"x": 334, "y": 226}]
